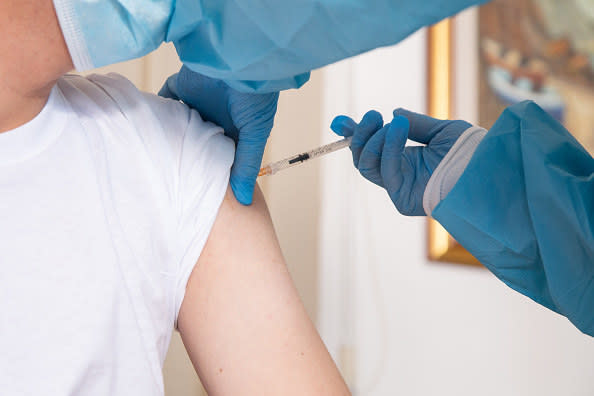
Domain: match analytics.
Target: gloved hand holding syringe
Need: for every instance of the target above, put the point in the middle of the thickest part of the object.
(274, 167)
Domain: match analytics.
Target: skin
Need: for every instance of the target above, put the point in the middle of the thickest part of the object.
(242, 321)
(34, 56)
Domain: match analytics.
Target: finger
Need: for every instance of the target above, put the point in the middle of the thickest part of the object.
(372, 121)
(252, 114)
(371, 155)
(422, 128)
(248, 159)
(343, 126)
(168, 90)
(392, 154)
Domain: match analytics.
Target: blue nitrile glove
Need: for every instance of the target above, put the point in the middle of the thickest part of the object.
(380, 154)
(246, 118)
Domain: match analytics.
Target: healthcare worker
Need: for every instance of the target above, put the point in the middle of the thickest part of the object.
(254, 45)
(520, 198)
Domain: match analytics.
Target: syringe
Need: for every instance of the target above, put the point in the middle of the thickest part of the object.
(271, 169)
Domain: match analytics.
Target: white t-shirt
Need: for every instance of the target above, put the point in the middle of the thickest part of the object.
(107, 198)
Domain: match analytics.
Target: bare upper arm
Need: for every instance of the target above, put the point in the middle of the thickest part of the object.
(242, 321)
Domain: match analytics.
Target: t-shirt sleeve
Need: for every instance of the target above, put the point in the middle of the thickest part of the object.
(191, 161)
(205, 159)
(204, 165)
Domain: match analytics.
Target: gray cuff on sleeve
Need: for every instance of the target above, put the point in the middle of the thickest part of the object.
(451, 168)
(73, 35)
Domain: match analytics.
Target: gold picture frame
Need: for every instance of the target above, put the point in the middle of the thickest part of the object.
(440, 82)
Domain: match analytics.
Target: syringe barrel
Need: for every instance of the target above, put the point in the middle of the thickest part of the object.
(284, 164)
(304, 157)
(330, 148)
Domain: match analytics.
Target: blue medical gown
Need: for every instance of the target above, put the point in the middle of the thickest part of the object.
(524, 207)
(256, 45)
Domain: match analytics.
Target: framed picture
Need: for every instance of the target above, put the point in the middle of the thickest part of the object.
(540, 50)
(501, 54)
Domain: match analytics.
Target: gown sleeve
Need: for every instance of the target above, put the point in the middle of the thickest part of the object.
(255, 45)
(524, 207)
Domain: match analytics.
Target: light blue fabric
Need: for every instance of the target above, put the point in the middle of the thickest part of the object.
(247, 118)
(524, 207)
(380, 154)
(255, 45)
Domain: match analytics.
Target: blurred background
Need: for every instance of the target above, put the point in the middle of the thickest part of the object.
(394, 322)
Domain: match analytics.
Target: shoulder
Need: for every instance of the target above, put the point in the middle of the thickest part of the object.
(98, 93)
(136, 115)
(159, 158)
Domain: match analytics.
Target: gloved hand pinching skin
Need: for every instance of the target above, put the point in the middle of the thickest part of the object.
(381, 156)
(246, 118)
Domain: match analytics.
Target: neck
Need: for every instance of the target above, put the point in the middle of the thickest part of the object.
(34, 56)
(18, 108)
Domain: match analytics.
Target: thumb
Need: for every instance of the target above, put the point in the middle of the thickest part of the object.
(343, 126)
(168, 90)
(248, 159)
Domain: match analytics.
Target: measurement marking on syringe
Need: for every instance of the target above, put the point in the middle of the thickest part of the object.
(274, 167)
(301, 158)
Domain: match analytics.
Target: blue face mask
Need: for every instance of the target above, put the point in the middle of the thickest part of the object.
(257, 45)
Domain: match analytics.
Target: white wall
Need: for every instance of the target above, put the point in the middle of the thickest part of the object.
(399, 325)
